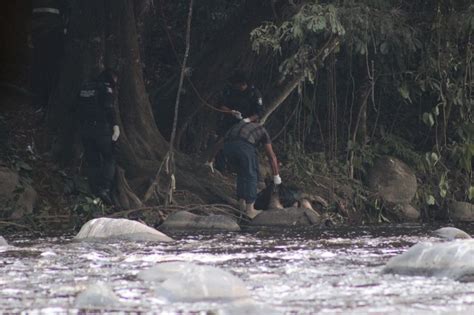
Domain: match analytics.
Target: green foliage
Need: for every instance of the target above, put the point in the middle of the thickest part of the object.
(299, 38)
(86, 208)
(462, 152)
(391, 144)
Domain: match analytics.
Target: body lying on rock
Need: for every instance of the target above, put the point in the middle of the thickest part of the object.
(285, 206)
(452, 259)
(108, 228)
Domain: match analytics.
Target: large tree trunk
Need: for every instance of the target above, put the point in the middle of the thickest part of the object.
(104, 33)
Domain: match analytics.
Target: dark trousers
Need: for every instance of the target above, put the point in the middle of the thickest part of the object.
(99, 152)
(243, 156)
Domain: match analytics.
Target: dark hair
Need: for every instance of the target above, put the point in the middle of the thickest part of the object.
(108, 75)
(238, 77)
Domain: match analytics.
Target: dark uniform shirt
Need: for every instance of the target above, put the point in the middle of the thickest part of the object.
(248, 102)
(252, 133)
(96, 107)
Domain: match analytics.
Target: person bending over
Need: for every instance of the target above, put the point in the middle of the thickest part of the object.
(240, 148)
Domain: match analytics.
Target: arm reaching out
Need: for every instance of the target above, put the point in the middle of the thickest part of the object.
(273, 163)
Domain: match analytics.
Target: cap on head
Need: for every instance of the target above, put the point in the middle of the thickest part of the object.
(238, 78)
(109, 75)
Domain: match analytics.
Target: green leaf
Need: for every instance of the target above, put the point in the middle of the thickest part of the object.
(23, 166)
(430, 200)
(428, 119)
(471, 193)
(404, 92)
(384, 48)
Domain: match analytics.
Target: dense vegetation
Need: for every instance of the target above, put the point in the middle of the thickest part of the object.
(397, 80)
(344, 82)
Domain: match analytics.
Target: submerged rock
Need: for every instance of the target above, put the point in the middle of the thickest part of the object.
(451, 233)
(184, 220)
(189, 282)
(453, 260)
(3, 242)
(103, 228)
(287, 217)
(97, 296)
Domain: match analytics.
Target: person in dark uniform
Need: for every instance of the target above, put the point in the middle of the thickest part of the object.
(99, 131)
(48, 28)
(241, 102)
(240, 148)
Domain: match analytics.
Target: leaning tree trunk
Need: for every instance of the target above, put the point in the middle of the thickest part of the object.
(104, 33)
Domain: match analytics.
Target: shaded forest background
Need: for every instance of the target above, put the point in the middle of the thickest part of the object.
(344, 82)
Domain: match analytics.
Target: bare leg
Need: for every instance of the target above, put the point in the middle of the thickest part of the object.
(242, 205)
(250, 210)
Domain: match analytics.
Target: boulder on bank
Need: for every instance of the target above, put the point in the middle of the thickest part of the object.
(184, 220)
(287, 217)
(462, 211)
(405, 211)
(454, 260)
(451, 233)
(97, 296)
(189, 282)
(104, 228)
(17, 199)
(393, 180)
(3, 242)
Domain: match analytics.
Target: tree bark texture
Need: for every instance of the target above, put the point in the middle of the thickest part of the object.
(104, 34)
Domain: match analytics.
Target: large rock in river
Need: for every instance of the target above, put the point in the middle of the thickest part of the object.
(189, 282)
(287, 217)
(184, 220)
(3, 242)
(17, 199)
(393, 180)
(462, 211)
(454, 260)
(451, 233)
(103, 228)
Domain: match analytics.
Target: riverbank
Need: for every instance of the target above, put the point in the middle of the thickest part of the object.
(62, 202)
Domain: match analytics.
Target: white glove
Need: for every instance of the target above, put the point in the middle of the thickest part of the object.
(237, 114)
(116, 133)
(247, 120)
(277, 179)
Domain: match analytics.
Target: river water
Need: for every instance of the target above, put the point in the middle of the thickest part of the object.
(310, 271)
